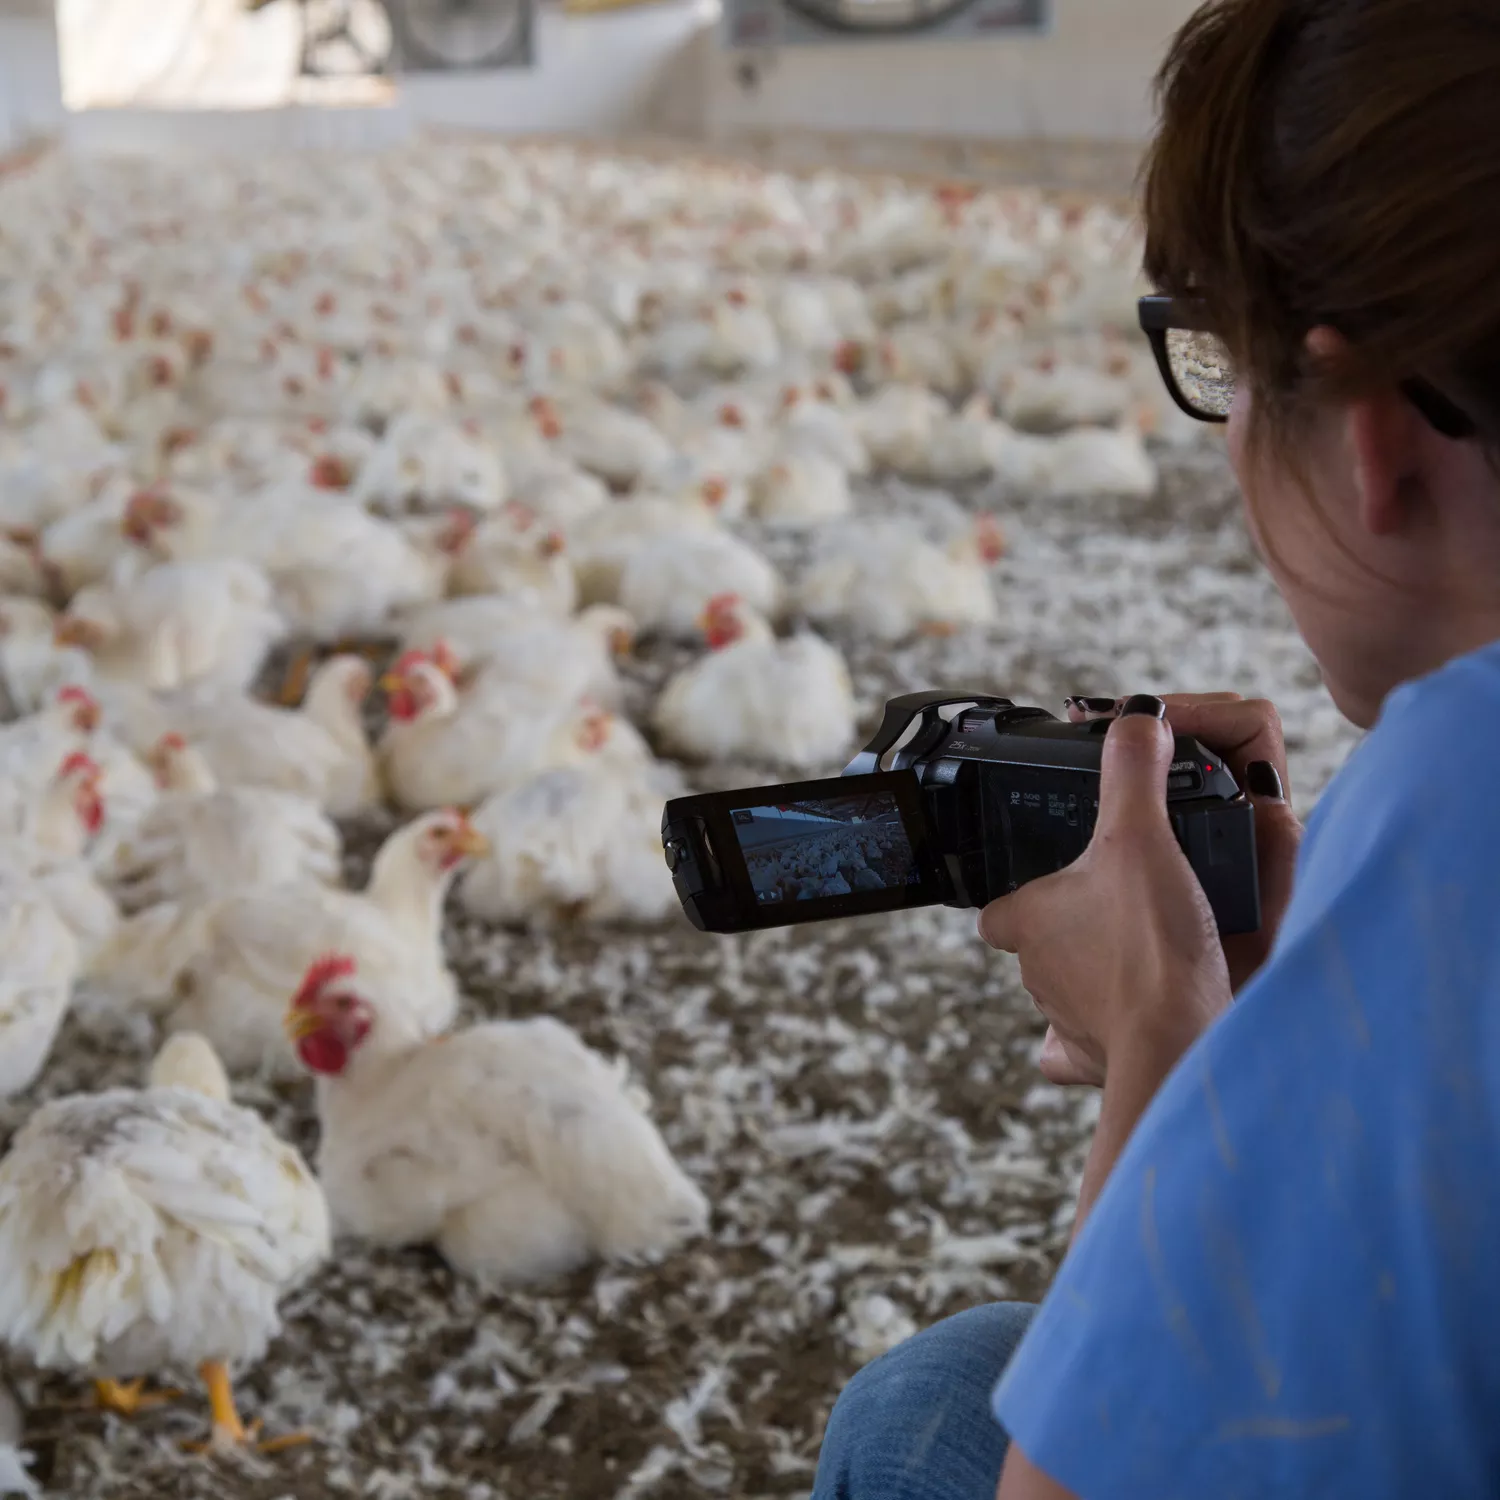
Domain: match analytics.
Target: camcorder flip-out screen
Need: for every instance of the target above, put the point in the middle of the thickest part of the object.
(802, 851)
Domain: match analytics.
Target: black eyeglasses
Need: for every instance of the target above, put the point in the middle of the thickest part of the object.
(1200, 375)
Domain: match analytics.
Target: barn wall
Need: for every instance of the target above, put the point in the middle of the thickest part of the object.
(1089, 80)
(30, 84)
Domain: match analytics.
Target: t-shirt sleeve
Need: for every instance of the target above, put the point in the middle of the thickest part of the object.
(1288, 1285)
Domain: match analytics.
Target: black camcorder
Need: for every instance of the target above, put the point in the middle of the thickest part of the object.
(959, 798)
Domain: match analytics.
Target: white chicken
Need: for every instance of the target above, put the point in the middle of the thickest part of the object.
(1101, 461)
(43, 839)
(581, 842)
(82, 545)
(150, 1229)
(340, 572)
(563, 496)
(890, 582)
(511, 1146)
(668, 581)
(319, 750)
(445, 746)
(512, 555)
(226, 968)
(36, 981)
(211, 620)
(488, 640)
(427, 463)
(810, 423)
(617, 445)
(962, 446)
(22, 568)
(201, 840)
(33, 667)
(1051, 397)
(898, 422)
(601, 544)
(788, 702)
(30, 748)
(337, 570)
(802, 489)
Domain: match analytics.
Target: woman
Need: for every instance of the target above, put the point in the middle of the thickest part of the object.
(1284, 1279)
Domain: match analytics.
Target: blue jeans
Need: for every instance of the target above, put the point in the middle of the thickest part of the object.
(915, 1424)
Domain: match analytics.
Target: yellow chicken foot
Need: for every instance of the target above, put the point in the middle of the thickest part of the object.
(228, 1431)
(294, 684)
(130, 1397)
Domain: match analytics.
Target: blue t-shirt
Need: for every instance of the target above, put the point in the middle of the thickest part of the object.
(1290, 1285)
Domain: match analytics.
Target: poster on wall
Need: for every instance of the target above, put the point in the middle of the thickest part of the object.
(791, 23)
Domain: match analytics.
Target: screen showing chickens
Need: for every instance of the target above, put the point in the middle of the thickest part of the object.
(834, 846)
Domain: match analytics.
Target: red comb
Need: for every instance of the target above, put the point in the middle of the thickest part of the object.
(78, 761)
(171, 741)
(76, 694)
(320, 974)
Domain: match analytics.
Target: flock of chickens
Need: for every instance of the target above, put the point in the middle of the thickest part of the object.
(456, 427)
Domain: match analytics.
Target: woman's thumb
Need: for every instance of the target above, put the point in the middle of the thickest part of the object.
(1133, 779)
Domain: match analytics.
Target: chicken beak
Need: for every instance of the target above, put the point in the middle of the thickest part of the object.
(470, 842)
(72, 633)
(621, 641)
(299, 1023)
(391, 682)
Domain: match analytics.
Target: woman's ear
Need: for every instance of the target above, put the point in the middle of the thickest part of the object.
(1383, 439)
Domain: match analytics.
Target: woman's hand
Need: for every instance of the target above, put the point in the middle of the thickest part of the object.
(1120, 949)
(1246, 734)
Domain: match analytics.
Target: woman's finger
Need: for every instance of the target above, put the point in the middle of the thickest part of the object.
(1241, 731)
(1133, 772)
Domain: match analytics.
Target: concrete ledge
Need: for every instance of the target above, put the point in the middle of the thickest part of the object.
(289, 128)
(1072, 165)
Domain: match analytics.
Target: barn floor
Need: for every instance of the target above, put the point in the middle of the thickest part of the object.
(858, 1099)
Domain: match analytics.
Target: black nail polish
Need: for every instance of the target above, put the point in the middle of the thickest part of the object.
(1099, 705)
(1144, 703)
(1263, 780)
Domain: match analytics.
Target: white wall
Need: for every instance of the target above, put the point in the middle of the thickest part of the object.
(30, 84)
(1088, 79)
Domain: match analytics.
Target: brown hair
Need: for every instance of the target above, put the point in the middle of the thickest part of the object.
(1336, 162)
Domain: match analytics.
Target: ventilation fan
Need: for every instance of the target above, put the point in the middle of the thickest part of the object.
(771, 23)
(445, 36)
